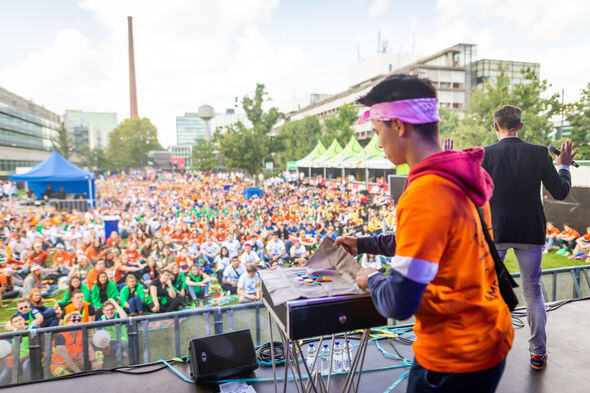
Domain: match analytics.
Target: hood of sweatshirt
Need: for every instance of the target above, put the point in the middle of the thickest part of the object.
(462, 167)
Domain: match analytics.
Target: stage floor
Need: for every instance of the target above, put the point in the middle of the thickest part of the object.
(568, 330)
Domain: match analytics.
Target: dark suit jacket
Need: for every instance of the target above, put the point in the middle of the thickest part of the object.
(517, 169)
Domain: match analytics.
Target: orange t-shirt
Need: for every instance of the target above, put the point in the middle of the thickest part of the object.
(553, 231)
(573, 233)
(62, 258)
(462, 324)
(133, 255)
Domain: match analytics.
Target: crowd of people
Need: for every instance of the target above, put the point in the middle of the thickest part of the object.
(568, 242)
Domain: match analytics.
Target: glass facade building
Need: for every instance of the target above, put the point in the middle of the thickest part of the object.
(26, 130)
(189, 128)
(486, 70)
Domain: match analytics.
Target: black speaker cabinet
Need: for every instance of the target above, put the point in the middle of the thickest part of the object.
(221, 356)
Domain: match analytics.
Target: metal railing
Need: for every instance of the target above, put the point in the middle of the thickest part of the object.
(162, 336)
(136, 331)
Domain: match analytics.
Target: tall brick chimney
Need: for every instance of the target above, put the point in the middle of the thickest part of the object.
(132, 86)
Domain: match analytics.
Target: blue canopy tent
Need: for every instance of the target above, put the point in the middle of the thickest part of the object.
(58, 172)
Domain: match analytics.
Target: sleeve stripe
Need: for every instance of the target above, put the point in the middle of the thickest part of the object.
(415, 269)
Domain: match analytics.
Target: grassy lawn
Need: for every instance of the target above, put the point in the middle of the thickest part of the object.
(550, 261)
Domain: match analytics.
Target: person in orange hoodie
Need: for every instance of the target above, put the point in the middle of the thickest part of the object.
(442, 271)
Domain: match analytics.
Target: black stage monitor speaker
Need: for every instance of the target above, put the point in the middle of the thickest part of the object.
(223, 355)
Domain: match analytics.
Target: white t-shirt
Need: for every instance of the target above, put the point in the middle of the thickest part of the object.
(233, 275)
(249, 257)
(248, 284)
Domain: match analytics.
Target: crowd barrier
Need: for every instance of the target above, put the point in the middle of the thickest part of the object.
(147, 338)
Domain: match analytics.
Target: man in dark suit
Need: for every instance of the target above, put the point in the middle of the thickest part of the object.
(518, 168)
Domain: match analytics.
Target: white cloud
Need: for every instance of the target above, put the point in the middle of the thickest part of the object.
(378, 6)
(187, 53)
(554, 34)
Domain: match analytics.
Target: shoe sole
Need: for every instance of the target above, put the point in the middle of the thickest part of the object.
(537, 367)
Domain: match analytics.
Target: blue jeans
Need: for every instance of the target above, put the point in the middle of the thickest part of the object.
(529, 257)
(422, 380)
(192, 291)
(135, 305)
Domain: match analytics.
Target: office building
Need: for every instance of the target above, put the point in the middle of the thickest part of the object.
(189, 128)
(181, 155)
(225, 119)
(486, 70)
(455, 71)
(26, 130)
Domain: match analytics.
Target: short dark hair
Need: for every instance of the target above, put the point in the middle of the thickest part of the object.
(508, 117)
(77, 291)
(397, 87)
(251, 268)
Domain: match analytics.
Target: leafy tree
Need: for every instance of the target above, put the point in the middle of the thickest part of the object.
(245, 148)
(204, 154)
(93, 159)
(130, 143)
(579, 119)
(63, 143)
(297, 138)
(477, 127)
(339, 127)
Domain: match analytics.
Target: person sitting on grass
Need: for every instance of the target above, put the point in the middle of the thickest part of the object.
(132, 296)
(17, 323)
(582, 246)
(249, 285)
(111, 310)
(178, 280)
(298, 253)
(85, 309)
(32, 317)
(75, 285)
(51, 315)
(551, 234)
(149, 271)
(67, 355)
(103, 290)
(197, 283)
(162, 296)
(231, 275)
(35, 280)
(568, 238)
(7, 288)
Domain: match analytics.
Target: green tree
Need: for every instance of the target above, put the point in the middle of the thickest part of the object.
(245, 148)
(297, 138)
(63, 143)
(579, 119)
(339, 127)
(204, 154)
(130, 143)
(93, 159)
(477, 127)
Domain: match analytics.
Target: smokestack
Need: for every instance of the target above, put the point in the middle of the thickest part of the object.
(132, 86)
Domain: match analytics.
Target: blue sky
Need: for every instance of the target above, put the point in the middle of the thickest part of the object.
(68, 54)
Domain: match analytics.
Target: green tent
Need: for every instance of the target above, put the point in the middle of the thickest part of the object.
(330, 153)
(371, 152)
(351, 149)
(317, 152)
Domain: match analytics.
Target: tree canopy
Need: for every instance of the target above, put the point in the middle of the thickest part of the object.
(477, 126)
(579, 121)
(130, 143)
(204, 155)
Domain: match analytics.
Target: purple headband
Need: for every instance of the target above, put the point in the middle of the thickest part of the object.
(414, 111)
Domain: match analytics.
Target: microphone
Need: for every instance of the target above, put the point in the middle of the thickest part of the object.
(557, 152)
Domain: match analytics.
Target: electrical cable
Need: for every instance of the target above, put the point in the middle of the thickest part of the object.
(264, 355)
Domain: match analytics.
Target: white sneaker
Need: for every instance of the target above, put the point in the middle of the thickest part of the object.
(545, 251)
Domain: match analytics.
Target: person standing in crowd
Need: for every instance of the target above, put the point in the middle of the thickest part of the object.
(518, 169)
(442, 270)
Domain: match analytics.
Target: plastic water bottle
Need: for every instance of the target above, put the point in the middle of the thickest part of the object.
(325, 359)
(310, 357)
(337, 358)
(346, 356)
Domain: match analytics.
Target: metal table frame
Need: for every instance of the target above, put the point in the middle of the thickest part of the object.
(315, 383)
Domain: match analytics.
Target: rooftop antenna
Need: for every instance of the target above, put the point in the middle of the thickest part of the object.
(358, 53)
(379, 41)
